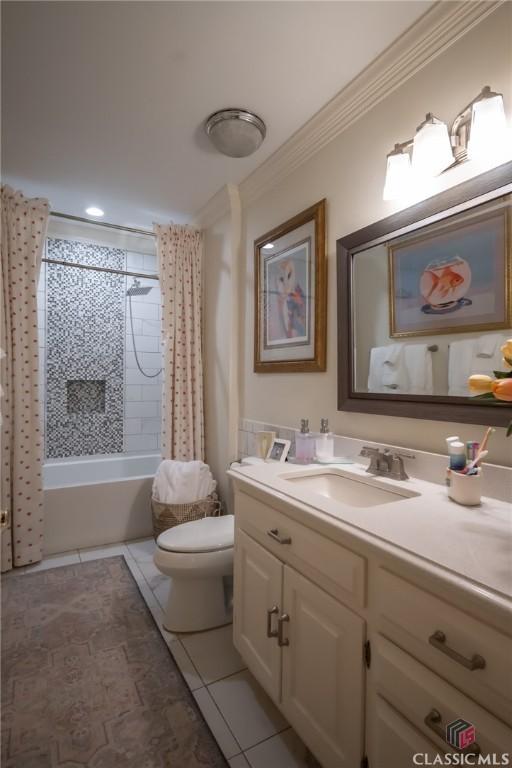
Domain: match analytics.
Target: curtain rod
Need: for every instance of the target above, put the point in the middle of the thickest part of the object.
(111, 270)
(145, 232)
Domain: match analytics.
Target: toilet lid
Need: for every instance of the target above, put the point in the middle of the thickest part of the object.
(209, 534)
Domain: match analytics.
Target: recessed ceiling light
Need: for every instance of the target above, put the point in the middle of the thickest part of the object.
(93, 211)
(268, 246)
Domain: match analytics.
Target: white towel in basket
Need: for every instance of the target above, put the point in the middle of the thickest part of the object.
(181, 482)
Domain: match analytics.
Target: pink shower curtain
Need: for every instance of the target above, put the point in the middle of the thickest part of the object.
(23, 233)
(180, 264)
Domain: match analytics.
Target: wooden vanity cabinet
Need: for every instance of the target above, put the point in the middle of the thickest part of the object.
(306, 611)
(305, 648)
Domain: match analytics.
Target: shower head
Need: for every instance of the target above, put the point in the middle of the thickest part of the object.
(137, 289)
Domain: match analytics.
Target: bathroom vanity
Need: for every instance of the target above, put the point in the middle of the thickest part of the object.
(374, 612)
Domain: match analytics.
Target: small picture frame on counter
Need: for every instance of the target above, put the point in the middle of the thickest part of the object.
(278, 450)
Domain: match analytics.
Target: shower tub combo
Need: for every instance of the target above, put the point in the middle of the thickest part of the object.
(99, 325)
(91, 501)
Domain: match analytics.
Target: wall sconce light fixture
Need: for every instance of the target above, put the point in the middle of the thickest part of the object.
(479, 132)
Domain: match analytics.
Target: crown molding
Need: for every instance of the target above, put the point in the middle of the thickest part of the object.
(216, 207)
(438, 29)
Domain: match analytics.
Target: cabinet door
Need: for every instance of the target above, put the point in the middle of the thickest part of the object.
(323, 674)
(257, 590)
(392, 740)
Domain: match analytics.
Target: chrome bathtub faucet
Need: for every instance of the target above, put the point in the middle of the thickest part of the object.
(386, 463)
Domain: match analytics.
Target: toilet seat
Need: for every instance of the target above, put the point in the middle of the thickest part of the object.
(210, 534)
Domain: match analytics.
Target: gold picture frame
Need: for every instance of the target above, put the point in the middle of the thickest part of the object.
(447, 278)
(290, 295)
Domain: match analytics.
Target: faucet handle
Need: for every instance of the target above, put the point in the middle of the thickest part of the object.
(367, 451)
(396, 468)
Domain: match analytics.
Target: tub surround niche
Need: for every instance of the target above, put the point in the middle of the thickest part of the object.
(370, 630)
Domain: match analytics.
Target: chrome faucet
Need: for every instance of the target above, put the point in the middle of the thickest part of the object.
(386, 463)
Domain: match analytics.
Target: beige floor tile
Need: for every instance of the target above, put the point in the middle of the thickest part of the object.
(187, 669)
(54, 561)
(238, 762)
(213, 653)
(161, 591)
(250, 714)
(142, 549)
(110, 550)
(285, 750)
(216, 723)
(153, 576)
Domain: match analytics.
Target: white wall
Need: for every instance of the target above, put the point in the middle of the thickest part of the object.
(217, 275)
(349, 172)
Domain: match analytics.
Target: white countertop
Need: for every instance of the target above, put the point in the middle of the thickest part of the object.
(474, 543)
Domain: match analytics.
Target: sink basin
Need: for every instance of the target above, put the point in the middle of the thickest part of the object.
(353, 491)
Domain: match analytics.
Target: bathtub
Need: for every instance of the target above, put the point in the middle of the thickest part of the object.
(91, 501)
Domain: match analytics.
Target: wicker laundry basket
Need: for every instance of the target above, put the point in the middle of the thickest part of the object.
(166, 516)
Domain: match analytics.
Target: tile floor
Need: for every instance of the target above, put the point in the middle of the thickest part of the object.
(249, 729)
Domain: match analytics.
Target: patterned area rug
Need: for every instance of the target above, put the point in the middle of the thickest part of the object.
(87, 679)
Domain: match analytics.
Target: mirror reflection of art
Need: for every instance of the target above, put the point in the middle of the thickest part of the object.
(453, 278)
(290, 299)
(444, 285)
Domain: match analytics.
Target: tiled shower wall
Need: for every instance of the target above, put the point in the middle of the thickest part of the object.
(97, 400)
(84, 351)
(143, 395)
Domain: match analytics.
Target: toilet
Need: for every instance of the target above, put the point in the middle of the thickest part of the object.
(198, 558)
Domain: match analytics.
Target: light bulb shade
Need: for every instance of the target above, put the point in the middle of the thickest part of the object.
(235, 132)
(488, 135)
(431, 151)
(398, 176)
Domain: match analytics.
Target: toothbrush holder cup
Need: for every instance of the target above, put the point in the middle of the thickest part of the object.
(465, 489)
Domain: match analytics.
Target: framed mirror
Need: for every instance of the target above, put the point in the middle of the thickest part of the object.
(425, 301)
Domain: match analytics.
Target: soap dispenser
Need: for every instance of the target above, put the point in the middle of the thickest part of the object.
(304, 444)
(324, 442)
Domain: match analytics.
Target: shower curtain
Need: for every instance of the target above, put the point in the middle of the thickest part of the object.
(179, 251)
(23, 233)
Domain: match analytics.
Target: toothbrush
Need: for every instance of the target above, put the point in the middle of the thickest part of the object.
(483, 444)
(474, 463)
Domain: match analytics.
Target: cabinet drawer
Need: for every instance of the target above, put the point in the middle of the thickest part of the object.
(418, 693)
(447, 639)
(392, 740)
(334, 567)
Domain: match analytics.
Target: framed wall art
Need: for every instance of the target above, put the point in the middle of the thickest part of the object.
(453, 278)
(291, 295)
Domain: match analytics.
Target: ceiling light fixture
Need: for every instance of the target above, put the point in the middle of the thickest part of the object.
(268, 246)
(235, 132)
(94, 211)
(479, 132)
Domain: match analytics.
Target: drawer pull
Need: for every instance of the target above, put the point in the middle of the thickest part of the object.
(280, 622)
(271, 632)
(434, 721)
(274, 534)
(438, 640)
